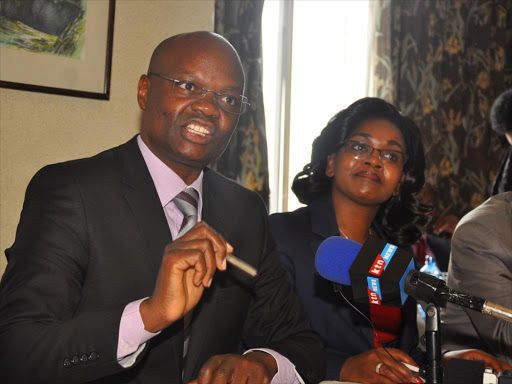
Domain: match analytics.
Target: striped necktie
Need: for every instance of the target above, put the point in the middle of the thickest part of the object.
(186, 202)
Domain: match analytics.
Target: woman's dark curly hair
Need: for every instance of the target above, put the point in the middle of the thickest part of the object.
(401, 216)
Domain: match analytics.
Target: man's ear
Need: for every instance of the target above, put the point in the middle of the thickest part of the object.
(329, 170)
(142, 91)
(399, 185)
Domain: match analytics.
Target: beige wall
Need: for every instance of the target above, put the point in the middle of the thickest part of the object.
(37, 129)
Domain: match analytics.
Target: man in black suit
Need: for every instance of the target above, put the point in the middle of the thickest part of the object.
(102, 274)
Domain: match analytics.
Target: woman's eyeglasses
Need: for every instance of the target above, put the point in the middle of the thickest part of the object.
(361, 150)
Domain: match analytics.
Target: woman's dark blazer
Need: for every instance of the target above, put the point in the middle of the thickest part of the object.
(345, 333)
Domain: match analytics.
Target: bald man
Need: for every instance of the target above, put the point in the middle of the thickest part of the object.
(109, 279)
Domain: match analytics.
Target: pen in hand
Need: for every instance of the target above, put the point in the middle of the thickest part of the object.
(241, 265)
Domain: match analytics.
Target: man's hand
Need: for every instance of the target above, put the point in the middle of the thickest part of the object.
(255, 367)
(188, 266)
(475, 354)
(362, 368)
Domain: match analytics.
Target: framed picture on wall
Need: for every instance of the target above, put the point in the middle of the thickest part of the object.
(57, 46)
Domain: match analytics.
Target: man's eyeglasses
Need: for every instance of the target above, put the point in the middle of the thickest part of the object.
(231, 103)
(361, 150)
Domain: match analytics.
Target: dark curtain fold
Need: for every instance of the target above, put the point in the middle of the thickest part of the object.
(443, 63)
(245, 159)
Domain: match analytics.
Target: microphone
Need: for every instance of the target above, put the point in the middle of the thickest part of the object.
(376, 270)
(432, 290)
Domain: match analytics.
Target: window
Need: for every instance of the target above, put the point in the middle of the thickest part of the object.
(315, 63)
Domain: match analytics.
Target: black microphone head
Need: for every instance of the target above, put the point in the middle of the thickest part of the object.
(426, 288)
(378, 273)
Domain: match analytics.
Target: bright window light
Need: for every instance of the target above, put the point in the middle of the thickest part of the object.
(329, 72)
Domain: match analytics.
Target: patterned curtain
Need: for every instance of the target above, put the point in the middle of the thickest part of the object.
(245, 159)
(443, 63)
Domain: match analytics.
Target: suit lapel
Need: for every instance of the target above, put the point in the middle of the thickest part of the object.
(323, 221)
(142, 198)
(141, 195)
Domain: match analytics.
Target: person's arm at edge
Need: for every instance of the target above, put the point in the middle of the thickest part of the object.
(476, 251)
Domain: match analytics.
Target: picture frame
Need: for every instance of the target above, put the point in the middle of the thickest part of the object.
(87, 75)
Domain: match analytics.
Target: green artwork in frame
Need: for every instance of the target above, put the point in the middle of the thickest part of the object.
(47, 26)
(57, 46)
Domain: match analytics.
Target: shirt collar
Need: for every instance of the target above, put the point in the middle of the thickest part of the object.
(167, 183)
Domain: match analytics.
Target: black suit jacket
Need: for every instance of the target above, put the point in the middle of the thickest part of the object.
(90, 240)
(344, 332)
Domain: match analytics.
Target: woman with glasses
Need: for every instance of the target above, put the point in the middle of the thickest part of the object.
(366, 168)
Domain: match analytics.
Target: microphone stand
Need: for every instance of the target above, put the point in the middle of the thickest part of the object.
(433, 370)
(434, 291)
